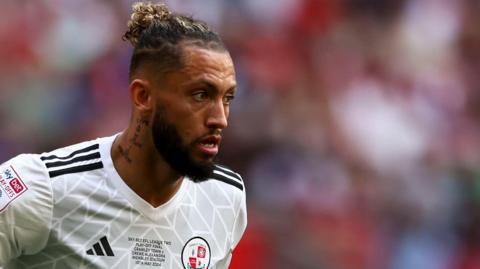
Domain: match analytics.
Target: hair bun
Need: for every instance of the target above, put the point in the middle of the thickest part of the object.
(144, 15)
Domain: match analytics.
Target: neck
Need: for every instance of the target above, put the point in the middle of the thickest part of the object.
(141, 166)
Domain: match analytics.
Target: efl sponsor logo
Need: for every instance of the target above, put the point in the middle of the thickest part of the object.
(11, 186)
(16, 185)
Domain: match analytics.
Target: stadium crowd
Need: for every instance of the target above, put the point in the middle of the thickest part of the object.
(356, 124)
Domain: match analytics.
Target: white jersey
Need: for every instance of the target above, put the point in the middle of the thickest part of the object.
(70, 209)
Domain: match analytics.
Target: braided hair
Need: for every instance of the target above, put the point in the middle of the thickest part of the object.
(158, 36)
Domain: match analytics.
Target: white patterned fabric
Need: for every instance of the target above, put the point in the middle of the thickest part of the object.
(76, 212)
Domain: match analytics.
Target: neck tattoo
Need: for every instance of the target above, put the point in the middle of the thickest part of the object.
(125, 152)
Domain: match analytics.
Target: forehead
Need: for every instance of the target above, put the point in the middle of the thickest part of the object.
(200, 63)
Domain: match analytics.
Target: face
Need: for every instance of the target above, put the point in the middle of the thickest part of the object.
(191, 110)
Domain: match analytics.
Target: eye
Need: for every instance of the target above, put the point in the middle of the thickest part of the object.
(228, 99)
(200, 95)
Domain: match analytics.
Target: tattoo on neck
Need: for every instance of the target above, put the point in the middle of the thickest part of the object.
(125, 152)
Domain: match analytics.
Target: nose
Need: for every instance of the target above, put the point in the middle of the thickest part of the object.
(217, 117)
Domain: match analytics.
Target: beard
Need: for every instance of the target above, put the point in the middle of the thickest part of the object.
(177, 154)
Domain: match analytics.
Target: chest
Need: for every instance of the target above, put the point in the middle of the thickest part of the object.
(96, 226)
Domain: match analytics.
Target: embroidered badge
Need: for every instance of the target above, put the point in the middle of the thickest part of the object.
(11, 186)
(196, 254)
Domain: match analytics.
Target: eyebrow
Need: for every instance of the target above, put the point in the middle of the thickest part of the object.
(211, 86)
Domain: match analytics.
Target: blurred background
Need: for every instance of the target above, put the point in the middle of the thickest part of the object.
(356, 124)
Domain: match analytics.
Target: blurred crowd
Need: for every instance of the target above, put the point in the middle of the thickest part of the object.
(355, 127)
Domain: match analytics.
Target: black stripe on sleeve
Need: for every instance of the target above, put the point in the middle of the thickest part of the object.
(87, 149)
(227, 180)
(92, 156)
(76, 169)
(227, 171)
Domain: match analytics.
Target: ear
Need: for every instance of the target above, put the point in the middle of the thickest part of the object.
(141, 93)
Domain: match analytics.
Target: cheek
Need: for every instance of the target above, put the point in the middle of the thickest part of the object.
(188, 128)
(188, 120)
(227, 111)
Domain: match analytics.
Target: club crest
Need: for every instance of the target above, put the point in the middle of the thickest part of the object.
(196, 254)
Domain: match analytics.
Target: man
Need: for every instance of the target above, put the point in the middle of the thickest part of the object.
(151, 196)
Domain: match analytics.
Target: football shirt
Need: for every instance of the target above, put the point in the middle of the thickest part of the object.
(69, 208)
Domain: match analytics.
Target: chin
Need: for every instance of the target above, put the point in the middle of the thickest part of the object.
(200, 169)
(205, 164)
(203, 158)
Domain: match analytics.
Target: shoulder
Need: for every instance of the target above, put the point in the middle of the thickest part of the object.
(25, 205)
(22, 169)
(27, 178)
(233, 187)
(24, 180)
(77, 158)
(228, 177)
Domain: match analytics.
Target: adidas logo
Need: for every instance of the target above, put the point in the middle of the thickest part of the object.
(99, 251)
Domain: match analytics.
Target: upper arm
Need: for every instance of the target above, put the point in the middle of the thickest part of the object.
(240, 223)
(25, 207)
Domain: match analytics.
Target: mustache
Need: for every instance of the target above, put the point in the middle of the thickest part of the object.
(214, 135)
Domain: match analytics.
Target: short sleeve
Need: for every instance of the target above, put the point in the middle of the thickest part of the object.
(25, 207)
(240, 222)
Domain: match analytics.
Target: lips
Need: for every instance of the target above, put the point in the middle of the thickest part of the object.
(209, 145)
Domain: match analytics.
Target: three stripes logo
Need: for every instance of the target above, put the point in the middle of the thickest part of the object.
(226, 175)
(101, 248)
(81, 160)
